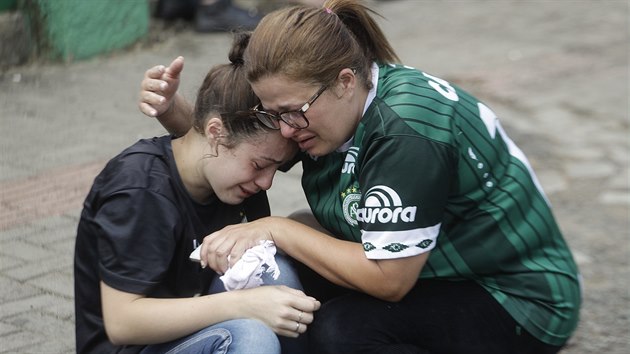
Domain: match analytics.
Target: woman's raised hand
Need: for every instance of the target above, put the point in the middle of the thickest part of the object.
(158, 88)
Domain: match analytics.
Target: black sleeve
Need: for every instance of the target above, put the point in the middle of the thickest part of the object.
(138, 234)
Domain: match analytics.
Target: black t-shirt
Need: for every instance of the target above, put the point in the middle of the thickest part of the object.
(138, 227)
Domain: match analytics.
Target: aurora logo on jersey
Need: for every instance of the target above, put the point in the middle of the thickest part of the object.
(350, 160)
(383, 205)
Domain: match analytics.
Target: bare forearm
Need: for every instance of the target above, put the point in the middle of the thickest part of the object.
(344, 263)
(323, 253)
(151, 320)
(178, 118)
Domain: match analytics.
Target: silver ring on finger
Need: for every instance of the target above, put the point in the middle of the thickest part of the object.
(297, 326)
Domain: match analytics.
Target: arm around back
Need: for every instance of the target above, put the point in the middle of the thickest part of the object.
(158, 97)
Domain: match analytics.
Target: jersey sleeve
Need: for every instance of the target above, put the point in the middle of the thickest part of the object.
(136, 240)
(405, 182)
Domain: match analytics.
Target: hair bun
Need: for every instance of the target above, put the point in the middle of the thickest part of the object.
(241, 39)
(237, 61)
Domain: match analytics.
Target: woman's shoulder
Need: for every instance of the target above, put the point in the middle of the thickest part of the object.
(143, 165)
(401, 85)
(409, 100)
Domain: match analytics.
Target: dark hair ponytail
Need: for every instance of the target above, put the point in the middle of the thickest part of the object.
(366, 31)
(241, 39)
(225, 90)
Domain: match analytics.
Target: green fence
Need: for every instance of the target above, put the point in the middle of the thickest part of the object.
(78, 29)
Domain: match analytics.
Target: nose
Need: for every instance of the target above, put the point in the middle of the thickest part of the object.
(265, 180)
(286, 130)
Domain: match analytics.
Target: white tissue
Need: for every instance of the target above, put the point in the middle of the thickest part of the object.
(248, 271)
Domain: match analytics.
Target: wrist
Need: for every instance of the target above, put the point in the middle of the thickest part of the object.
(167, 112)
(272, 224)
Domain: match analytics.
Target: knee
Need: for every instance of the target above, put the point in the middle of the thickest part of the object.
(329, 332)
(249, 334)
(288, 273)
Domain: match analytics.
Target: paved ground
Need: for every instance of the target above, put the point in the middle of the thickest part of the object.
(556, 72)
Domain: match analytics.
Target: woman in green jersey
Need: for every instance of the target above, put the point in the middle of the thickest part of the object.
(426, 217)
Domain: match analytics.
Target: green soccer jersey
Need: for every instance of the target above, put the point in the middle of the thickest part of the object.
(430, 168)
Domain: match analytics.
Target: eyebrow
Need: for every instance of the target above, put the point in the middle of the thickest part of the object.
(285, 108)
(272, 160)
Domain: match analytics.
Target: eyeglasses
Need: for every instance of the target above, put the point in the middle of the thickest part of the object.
(295, 119)
(266, 120)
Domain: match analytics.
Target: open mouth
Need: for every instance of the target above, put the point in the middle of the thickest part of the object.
(306, 143)
(247, 192)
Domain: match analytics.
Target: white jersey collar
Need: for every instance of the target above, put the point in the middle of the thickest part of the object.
(368, 102)
(372, 93)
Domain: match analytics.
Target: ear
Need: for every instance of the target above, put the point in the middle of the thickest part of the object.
(214, 129)
(346, 82)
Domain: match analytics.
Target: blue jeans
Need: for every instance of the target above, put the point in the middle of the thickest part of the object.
(233, 337)
(289, 277)
(241, 335)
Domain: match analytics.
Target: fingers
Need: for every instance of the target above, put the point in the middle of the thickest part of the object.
(175, 68)
(302, 311)
(290, 328)
(219, 253)
(147, 109)
(304, 317)
(287, 311)
(151, 103)
(218, 261)
(298, 328)
(152, 98)
(218, 257)
(157, 78)
(153, 92)
(307, 316)
(222, 249)
(291, 332)
(297, 323)
(154, 85)
(303, 302)
(237, 252)
(155, 72)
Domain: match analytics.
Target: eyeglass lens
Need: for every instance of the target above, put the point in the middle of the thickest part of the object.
(267, 119)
